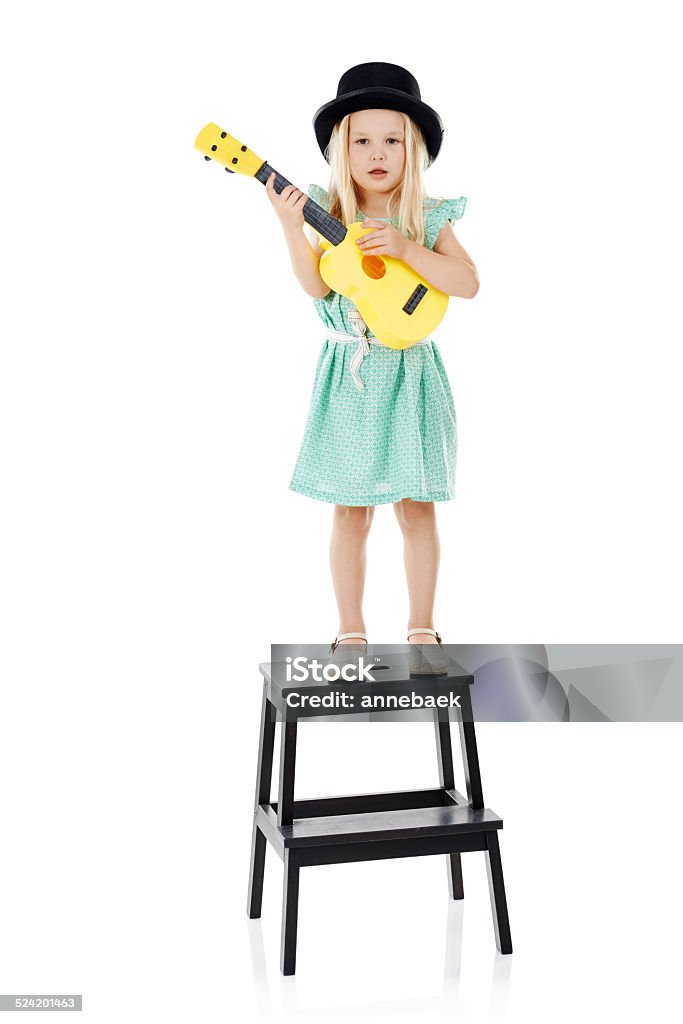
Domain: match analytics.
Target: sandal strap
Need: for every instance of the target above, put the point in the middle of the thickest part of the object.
(423, 629)
(347, 636)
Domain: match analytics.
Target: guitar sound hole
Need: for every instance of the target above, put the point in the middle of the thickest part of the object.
(373, 266)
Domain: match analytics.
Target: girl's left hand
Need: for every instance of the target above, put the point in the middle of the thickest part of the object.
(384, 240)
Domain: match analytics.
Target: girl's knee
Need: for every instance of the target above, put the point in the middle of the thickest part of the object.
(354, 518)
(415, 515)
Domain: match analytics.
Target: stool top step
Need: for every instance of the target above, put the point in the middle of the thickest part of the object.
(305, 671)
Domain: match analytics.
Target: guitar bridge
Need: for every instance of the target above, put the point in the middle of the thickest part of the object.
(415, 299)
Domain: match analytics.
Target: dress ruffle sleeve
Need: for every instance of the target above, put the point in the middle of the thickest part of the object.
(319, 196)
(437, 215)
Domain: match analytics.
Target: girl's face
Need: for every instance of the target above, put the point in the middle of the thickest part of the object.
(376, 143)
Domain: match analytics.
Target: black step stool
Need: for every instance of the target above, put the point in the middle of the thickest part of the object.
(372, 826)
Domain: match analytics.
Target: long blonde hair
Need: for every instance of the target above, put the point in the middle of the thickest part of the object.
(407, 199)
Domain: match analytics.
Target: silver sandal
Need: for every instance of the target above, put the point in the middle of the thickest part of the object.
(347, 654)
(427, 659)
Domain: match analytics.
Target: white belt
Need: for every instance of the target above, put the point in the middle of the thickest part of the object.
(364, 343)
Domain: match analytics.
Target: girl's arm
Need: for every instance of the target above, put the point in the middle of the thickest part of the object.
(448, 267)
(305, 261)
(289, 205)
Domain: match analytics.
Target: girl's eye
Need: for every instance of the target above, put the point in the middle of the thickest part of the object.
(388, 140)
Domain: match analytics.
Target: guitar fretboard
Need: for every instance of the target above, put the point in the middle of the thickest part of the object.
(329, 227)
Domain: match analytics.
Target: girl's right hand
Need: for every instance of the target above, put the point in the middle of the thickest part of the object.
(288, 204)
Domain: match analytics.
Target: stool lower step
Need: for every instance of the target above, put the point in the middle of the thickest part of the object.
(373, 826)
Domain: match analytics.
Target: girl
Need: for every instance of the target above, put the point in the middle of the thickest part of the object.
(381, 425)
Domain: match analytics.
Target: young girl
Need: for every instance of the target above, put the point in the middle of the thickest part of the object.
(381, 424)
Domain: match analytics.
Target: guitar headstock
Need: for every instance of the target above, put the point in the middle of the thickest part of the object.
(216, 144)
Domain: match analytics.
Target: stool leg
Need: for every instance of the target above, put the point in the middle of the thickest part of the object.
(290, 912)
(256, 872)
(444, 753)
(285, 798)
(494, 870)
(470, 757)
(456, 888)
(264, 773)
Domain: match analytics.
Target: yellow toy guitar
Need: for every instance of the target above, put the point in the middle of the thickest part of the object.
(396, 304)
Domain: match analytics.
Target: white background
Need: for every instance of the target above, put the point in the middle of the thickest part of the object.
(157, 362)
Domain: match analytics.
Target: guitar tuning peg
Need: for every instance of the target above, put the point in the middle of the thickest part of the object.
(207, 157)
(228, 170)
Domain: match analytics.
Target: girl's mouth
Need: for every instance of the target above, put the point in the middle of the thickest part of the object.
(378, 173)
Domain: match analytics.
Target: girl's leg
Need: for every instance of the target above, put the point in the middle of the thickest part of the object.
(350, 528)
(417, 520)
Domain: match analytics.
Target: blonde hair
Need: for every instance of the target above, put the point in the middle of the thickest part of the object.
(408, 198)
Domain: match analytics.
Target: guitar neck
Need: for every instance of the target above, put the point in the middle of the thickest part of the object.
(329, 227)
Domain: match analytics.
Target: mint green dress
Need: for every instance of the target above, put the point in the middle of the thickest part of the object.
(394, 435)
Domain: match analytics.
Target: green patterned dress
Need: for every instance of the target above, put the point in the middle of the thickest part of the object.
(384, 428)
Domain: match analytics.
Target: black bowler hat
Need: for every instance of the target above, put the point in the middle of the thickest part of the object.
(379, 86)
